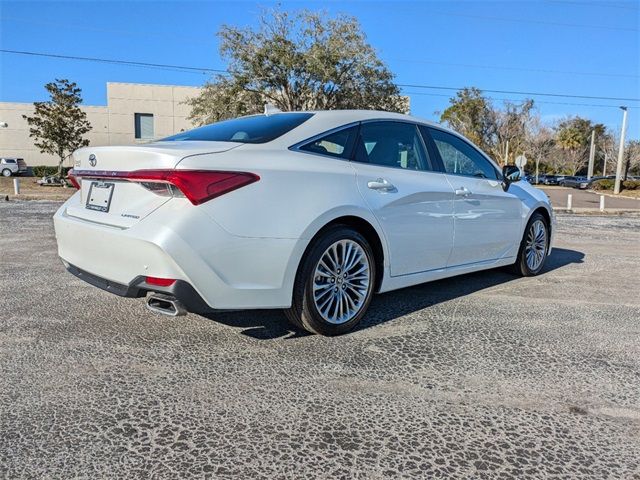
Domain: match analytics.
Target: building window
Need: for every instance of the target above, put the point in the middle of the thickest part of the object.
(144, 125)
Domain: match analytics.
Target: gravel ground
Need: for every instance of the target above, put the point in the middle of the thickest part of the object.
(482, 376)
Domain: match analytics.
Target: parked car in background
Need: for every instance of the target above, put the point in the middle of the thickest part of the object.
(549, 179)
(311, 212)
(12, 166)
(569, 181)
(574, 182)
(533, 180)
(539, 180)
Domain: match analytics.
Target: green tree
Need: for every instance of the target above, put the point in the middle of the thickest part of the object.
(472, 115)
(58, 125)
(297, 61)
(573, 136)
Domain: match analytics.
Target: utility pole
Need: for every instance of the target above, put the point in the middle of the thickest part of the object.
(616, 189)
(592, 154)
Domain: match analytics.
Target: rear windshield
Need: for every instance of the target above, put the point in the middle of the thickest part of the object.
(253, 129)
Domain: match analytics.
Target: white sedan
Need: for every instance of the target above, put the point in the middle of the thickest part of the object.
(311, 212)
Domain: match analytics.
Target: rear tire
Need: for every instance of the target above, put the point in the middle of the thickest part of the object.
(533, 247)
(334, 283)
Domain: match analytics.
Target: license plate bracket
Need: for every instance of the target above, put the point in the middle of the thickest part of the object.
(99, 196)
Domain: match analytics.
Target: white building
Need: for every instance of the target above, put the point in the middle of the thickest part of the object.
(134, 113)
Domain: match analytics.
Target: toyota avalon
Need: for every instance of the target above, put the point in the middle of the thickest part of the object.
(310, 212)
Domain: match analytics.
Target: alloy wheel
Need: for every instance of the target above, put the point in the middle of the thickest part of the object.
(536, 246)
(341, 281)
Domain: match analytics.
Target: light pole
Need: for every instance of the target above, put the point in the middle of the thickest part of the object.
(616, 189)
(592, 154)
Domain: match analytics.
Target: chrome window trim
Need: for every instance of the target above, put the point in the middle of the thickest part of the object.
(296, 146)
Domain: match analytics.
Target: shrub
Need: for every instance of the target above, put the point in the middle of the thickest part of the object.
(44, 170)
(604, 184)
(608, 184)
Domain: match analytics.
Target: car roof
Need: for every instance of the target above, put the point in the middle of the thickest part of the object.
(325, 120)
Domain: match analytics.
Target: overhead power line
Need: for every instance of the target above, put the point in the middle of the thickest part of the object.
(118, 62)
(521, 69)
(519, 100)
(512, 92)
(214, 70)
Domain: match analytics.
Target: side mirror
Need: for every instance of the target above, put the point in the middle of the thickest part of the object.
(510, 174)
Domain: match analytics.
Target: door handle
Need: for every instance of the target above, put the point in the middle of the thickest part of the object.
(381, 184)
(463, 192)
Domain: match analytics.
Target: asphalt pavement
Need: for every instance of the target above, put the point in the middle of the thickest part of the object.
(481, 376)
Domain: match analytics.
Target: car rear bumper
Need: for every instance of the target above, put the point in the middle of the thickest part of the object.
(181, 290)
(179, 241)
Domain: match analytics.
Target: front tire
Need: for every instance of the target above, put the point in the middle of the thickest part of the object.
(534, 247)
(6, 172)
(334, 283)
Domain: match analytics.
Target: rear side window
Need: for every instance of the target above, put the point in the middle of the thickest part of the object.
(337, 144)
(253, 129)
(392, 144)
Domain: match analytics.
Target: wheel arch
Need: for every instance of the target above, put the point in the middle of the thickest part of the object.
(361, 222)
(541, 209)
(368, 231)
(546, 212)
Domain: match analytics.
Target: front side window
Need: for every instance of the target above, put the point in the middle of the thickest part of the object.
(391, 144)
(252, 129)
(460, 158)
(143, 123)
(337, 144)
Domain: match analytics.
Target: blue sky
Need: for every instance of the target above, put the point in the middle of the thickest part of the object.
(573, 47)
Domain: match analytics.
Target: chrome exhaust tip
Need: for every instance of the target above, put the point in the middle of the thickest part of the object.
(165, 305)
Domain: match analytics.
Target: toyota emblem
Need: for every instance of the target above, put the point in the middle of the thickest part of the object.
(92, 160)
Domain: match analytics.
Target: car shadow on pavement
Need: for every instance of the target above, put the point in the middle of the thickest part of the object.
(272, 324)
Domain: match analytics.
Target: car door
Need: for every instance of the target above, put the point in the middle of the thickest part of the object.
(412, 202)
(487, 220)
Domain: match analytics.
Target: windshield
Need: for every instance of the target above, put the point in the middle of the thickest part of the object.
(253, 129)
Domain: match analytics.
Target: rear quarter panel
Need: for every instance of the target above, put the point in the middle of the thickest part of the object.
(297, 193)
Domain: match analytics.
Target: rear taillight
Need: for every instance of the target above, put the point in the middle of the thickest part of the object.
(198, 186)
(71, 177)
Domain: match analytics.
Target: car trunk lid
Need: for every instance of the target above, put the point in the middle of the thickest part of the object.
(111, 195)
